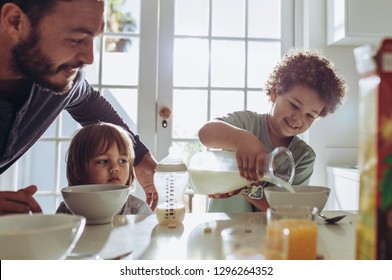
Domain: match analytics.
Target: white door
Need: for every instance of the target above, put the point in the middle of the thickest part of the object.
(212, 57)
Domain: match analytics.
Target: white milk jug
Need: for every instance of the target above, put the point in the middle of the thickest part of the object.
(216, 171)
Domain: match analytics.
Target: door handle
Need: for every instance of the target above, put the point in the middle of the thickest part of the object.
(164, 113)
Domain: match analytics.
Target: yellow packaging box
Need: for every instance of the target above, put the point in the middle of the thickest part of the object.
(374, 224)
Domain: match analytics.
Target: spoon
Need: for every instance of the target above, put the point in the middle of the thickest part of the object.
(331, 220)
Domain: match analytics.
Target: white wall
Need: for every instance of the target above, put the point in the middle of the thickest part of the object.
(341, 128)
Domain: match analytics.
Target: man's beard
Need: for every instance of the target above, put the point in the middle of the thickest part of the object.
(33, 64)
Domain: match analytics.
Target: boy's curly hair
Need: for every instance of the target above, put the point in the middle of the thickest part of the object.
(310, 69)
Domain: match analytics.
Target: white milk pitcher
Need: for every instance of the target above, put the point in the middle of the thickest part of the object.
(216, 171)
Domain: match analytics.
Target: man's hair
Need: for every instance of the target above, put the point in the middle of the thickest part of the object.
(91, 141)
(308, 68)
(34, 9)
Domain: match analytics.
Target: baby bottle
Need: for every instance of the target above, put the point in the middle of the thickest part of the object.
(171, 179)
(216, 171)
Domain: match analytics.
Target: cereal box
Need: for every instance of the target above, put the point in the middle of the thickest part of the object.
(374, 224)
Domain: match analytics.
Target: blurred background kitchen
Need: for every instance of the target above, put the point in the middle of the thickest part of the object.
(205, 58)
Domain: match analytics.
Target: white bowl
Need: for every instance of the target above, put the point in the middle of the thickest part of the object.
(39, 236)
(315, 196)
(98, 203)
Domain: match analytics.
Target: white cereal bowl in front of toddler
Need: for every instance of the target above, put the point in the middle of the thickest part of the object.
(98, 203)
(316, 196)
(39, 236)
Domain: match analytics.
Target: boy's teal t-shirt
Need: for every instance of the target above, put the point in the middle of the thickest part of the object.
(303, 154)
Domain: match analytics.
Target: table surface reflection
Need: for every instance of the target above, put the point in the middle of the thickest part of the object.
(146, 239)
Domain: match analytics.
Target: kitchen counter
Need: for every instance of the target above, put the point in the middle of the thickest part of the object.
(344, 184)
(348, 172)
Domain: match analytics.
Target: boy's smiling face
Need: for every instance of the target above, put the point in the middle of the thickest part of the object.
(294, 111)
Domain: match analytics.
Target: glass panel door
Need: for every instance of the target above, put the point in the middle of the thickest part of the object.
(223, 51)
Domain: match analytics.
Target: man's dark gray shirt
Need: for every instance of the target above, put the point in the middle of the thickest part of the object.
(19, 130)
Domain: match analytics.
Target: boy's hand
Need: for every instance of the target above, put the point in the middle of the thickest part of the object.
(250, 154)
(224, 195)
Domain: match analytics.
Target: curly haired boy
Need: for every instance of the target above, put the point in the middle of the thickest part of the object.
(302, 87)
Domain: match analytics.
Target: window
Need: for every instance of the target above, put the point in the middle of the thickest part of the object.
(201, 58)
(223, 52)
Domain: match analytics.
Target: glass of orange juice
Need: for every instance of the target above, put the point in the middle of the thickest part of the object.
(247, 242)
(295, 229)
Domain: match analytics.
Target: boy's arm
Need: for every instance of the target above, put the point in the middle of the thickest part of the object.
(250, 152)
(221, 135)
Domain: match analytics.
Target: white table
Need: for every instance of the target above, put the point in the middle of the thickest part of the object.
(147, 240)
